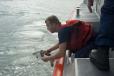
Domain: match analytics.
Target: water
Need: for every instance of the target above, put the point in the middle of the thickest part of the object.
(23, 31)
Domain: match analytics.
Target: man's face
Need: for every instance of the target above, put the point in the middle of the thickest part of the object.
(51, 27)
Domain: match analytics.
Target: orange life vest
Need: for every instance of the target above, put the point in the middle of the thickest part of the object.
(80, 34)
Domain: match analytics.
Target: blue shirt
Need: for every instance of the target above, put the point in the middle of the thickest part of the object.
(64, 34)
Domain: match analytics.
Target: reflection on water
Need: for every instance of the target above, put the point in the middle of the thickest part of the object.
(23, 31)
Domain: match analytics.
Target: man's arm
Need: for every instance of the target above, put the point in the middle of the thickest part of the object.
(60, 53)
(56, 46)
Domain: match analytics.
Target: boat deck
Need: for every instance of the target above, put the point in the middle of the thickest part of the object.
(83, 67)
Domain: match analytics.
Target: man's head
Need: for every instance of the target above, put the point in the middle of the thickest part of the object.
(52, 23)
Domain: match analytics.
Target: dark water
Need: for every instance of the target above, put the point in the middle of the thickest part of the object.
(23, 31)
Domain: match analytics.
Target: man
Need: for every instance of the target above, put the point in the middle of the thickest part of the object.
(75, 36)
(105, 39)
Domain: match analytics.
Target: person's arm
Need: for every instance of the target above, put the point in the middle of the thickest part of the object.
(60, 53)
(63, 36)
(56, 46)
(90, 4)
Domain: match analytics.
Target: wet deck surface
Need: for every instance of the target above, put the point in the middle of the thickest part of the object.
(86, 16)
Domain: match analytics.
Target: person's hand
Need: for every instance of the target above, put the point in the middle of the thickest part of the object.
(47, 52)
(45, 58)
(90, 4)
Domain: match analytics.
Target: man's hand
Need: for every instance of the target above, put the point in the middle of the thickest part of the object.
(47, 53)
(45, 58)
(90, 4)
(42, 52)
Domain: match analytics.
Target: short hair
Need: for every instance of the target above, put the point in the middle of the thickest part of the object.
(53, 19)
